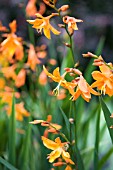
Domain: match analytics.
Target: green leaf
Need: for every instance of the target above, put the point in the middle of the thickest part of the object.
(7, 164)
(79, 161)
(100, 46)
(66, 120)
(97, 137)
(12, 134)
(105, 158)
(107, 114)
(26, 146)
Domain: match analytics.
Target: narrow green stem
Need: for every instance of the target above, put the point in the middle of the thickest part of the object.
(71, 48)
(70, 37)
(31, 34)
(60, 133)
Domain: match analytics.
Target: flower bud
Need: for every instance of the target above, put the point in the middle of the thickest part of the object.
(71, 120)
(67, 45)
(61, 25)
(76, 71)
(89, 54)
(63, 8)
(68, 69)
(58, 163)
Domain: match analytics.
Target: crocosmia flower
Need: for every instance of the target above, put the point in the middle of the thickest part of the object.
(104, 80)
(58, 148)
(43, 23)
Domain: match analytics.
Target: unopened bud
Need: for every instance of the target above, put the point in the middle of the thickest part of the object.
(111, 127)
(67, 45)
(77, 64)
(61, 25)
(59, 163)
(63, 8)
(76, 71)
(111, 115)
(68, 69)
(89, 54)
(71, 120)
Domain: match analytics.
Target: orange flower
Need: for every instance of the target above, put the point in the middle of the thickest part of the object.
(20, 79)
(104, 80)
(6, 95)
(42, 78)
(9, 72)
(20, 111)
(52, 61)
(2, 28)
(31, 9)
(12, 42)
(32, 58)
(41, 51)
(51, 127)
(3, 59)
(60, 79)
(71, 21)
(2, 83)
(83, 89)
(58, 148)
(43, 23)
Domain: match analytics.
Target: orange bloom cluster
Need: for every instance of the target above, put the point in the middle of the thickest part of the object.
(104, 80)
(59, 149)
(11, 54)
(50, 127)
(6, 98)
(12, 43)
(71, 22)
(42, 23)
(104, 77)
(78, 83)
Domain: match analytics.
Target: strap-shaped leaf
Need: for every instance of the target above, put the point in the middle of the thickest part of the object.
(107, 114)
(12, 134)
(7, 164)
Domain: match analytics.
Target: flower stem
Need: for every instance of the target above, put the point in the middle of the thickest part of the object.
(70, 36)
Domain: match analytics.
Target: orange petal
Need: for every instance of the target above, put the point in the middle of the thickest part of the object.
(97, 75)
(56, 72)
(105, 69)
(76, 94)
(56, 32)
(68, 167)
(47, 32)
(54, 155)
(49, 143)
(82, 84)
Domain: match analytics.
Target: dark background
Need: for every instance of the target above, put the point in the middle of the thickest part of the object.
(97, 16)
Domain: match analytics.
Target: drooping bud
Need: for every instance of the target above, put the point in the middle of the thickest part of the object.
(63, 8)
(76, 71)
(61, 25)
(71, 120)
(68, 69)
(67, 45)
(89, 54)
(59, 163)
